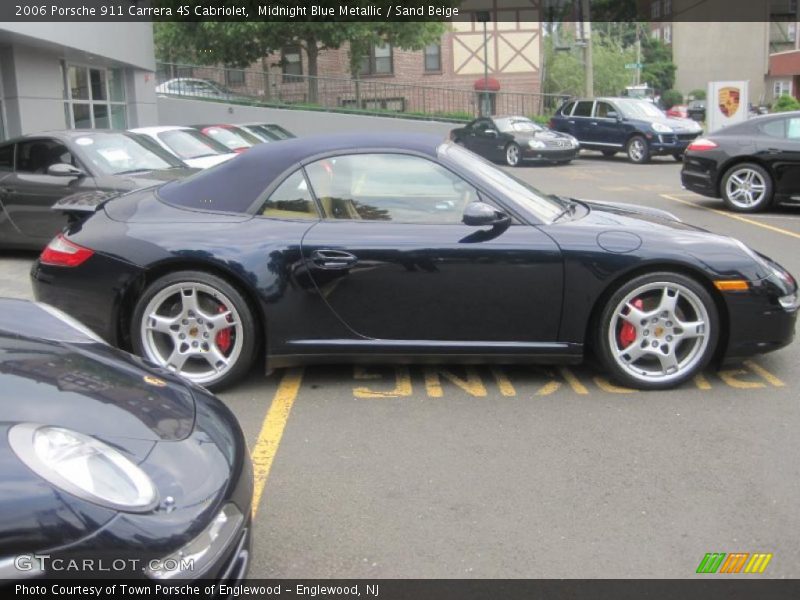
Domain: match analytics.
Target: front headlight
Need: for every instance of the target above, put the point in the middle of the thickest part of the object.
(536, 144)
(83, 466)
(661, 128)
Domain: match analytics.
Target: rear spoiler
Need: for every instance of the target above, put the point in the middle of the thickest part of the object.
(79, 206)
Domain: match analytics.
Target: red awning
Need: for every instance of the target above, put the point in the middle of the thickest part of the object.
(489, 84)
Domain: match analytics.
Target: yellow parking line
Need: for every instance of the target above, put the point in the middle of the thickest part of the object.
(759, 370)
(272, 430)
(733, 216)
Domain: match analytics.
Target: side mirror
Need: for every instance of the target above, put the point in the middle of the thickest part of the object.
(612, 114)
(490, 133)
(480, 214)
(64, 170)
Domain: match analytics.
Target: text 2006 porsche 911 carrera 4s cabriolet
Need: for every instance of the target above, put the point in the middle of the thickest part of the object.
(397, 248)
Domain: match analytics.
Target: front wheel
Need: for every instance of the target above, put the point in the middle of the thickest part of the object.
(747, 188)
(638, 150)
(196, 325)
(657, 330)
(512, 155)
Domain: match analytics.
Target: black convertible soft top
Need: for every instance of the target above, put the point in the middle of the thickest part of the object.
(234, 185)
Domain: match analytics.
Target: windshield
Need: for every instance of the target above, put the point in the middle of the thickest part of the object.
(519, 125)
(190, 143)
(545, 207)
(228, 138)
(278, 131)
(119, 153)
(639, 109)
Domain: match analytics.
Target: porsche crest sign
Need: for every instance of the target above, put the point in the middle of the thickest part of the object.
(727, 104)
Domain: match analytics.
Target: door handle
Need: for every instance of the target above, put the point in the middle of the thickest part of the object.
(333, 259)
(572, 122)
(594, 123)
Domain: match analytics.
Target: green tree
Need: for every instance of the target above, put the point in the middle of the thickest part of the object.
(697, 94)
(659, 70)
(671, 98)
(786, 103)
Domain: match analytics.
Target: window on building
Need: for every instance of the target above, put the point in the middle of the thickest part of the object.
(667, 8)
(655, 9)
(94, 98)
(433, 58)
(378, 61)
(234, 77)
(667, 34)
(791, 31)
(291, 64)
(781, 87)
(656, 33)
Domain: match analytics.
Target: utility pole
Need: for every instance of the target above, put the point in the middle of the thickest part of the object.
(586, 34)
(638, 55)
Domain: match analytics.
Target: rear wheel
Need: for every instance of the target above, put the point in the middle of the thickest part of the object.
(747, 188)
(197, 325)
(638, 150)
(657, 330)
(678, 156)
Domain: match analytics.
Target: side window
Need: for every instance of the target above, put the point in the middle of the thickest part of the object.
(776, 128)
(567, 110)
(602, 109)
(483, 125)
(793, 129)
(291, 200)
(389, 187)
(7, 158)
(35, 156)
(583, 109)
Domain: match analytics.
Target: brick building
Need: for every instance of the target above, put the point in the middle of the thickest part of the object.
(444, 78)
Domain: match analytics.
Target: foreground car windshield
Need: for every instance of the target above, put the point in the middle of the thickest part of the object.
(638, 109)
(188, 143)
(520, 125)
(117, 153)
(545, 207)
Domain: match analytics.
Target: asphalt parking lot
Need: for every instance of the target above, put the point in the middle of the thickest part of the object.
(527, 472)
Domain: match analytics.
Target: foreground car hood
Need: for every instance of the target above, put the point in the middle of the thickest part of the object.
(91, 388)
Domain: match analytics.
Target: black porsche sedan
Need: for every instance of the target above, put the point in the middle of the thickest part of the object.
(751, 165)
(514, 140)
(106, 459)
(392, 247)
(37, 170)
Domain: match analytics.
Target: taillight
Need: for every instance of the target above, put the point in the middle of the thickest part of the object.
(60, 252)
(702, 144)
(552, 123)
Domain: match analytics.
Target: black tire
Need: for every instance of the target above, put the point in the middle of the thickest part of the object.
(752, 199)
(678, 156)
(609, 153)
(214, 296)
(512, 150)
(638, 150)
(657, 341)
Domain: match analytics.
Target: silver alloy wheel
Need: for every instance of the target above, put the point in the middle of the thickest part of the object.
(637, 150)
(512, 155)
(670, 328)
(745, 188)
(182, 327)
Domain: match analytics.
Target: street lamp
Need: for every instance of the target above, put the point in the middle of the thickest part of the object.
(484, 16)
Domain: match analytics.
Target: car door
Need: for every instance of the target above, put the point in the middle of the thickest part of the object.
(581, 119)
(393, 260)
(487, 140)
(29, 191)
(779, 147)
(604, 130)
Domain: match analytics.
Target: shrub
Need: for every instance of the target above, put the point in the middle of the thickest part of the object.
(670, 98)
(697, 94)
(785, 103)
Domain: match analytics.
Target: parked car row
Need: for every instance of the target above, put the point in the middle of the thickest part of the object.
(37, 170)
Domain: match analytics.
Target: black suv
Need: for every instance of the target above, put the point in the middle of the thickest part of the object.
(635, 126)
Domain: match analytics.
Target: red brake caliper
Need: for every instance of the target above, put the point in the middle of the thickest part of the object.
(627, 333)
(223, 338)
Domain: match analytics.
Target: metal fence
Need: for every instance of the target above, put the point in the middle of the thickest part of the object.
(335, 93)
